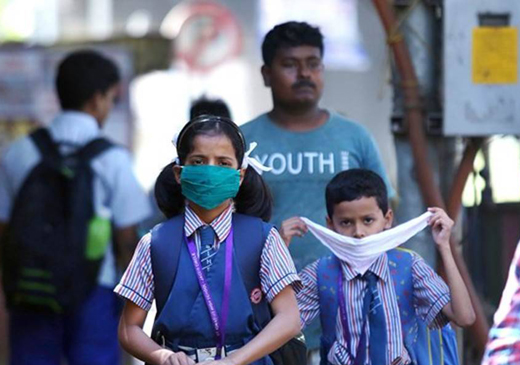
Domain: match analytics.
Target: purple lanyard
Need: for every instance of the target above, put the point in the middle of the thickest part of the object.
(219, 324)
(343, 317)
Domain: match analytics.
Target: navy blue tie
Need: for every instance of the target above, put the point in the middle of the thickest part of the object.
(207, 247)
(373, 313)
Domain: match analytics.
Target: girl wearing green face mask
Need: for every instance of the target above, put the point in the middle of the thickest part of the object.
(214, 268)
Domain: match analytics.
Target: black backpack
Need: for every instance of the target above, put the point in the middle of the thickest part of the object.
(53, 248)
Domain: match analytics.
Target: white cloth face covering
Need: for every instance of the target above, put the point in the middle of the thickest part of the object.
(360, 253)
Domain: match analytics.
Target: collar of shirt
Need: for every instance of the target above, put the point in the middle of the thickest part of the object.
(74, 128)
(221, 225)
(378, 267)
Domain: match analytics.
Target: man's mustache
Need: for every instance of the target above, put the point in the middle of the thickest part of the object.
(303, 83)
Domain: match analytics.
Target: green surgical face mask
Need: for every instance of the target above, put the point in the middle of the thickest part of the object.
(209, 186)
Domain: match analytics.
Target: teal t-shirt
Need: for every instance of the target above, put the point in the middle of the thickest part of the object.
(302, 164)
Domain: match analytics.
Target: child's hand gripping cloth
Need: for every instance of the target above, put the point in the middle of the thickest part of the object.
(360, 253)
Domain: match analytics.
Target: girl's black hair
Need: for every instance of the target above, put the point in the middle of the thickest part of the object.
(253, 198)
(167, 192)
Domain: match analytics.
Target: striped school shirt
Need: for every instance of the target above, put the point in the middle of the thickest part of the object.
(277, 269)
(430, 295)
(503, 347)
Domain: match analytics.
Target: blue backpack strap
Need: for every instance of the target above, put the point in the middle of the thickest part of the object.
(400, 266)
(250, 235)
(167, 240)
(328, 270)
(426, 346)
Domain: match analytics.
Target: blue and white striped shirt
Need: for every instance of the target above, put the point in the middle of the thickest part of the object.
(430, 295)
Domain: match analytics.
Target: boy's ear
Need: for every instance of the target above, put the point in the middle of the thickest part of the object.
(329, 223)
(177, 173)
(389, 217)
(266, 75)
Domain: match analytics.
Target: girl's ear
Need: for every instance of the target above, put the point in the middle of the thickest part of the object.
(389, 218)
(177, 173)
(242, 174)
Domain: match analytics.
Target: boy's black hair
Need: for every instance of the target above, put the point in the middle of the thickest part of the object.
(82, 74)
(290, 34)
(354, 184)
(207, 106)
(253, 198)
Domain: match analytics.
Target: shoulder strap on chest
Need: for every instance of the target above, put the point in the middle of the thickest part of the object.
(94, 148)
(400, 265)
(250, 235)
(167, 239)
(329, 268)
(48, 148)
(400, 262)
(45, 144)
(426, 346)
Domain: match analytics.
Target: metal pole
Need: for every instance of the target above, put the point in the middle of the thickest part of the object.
(414, 117)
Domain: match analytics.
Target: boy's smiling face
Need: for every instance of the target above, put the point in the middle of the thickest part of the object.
(359, 218)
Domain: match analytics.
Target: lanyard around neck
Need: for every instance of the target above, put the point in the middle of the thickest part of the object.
(219, 324)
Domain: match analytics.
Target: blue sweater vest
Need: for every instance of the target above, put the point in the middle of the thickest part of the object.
(183, 318)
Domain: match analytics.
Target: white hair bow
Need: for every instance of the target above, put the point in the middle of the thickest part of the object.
(253, 162)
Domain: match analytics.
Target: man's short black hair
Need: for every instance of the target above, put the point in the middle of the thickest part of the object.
(290, 34)
(82, 74)
(205, 106)
(354, 184)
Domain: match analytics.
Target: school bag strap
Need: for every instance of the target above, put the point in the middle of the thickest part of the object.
(165, 248)
(250, 236)
(425, 346)
(329, 268)
(45, 144)
(400, 266)
(94, 148)
(48, 148)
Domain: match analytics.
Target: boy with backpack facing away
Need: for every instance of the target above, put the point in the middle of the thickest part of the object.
(62, 189)
(363, 316)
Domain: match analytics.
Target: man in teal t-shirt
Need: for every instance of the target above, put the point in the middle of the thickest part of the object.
(304, 144)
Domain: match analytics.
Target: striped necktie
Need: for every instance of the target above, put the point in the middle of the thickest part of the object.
(207, 247)
(373, 313)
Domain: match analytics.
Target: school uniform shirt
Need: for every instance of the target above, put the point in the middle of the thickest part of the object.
(430, 295)
(276, 266)
(503, 345)
(117, 194)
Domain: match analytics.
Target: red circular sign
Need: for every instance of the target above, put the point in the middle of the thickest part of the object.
(208, 34)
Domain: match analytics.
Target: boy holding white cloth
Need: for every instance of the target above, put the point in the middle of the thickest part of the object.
(369, 327)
